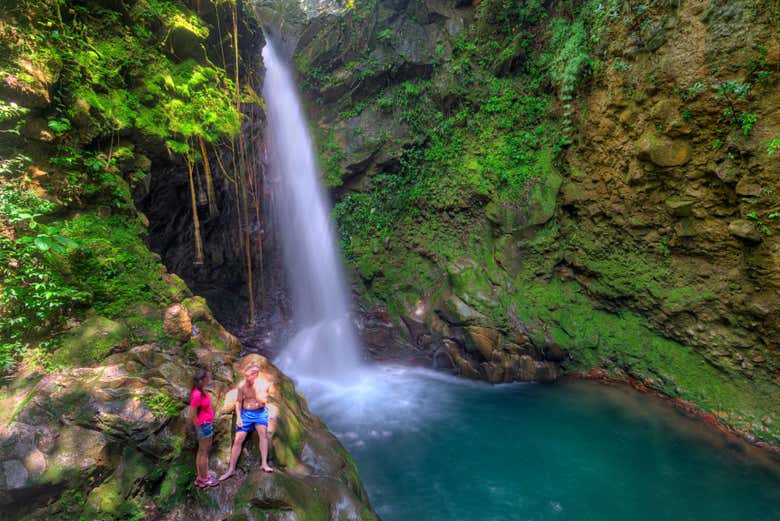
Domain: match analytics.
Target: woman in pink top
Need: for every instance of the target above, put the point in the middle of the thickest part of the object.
(201, 417)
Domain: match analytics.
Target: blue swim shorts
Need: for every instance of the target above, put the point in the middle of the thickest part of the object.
(251, 418)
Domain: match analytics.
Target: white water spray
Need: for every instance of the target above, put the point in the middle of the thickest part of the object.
(325, 345)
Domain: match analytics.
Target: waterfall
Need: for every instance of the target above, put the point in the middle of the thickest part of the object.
(325, 345)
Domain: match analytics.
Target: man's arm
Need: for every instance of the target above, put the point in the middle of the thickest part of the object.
(239, 403)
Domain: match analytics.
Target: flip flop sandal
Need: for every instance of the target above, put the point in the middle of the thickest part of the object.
(200, 483)
(211, 482)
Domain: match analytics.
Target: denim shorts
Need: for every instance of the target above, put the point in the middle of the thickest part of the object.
(205, 431)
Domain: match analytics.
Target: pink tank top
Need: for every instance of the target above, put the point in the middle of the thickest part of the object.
(201, 402)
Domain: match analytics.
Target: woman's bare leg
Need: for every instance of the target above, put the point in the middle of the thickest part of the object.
(202, 459)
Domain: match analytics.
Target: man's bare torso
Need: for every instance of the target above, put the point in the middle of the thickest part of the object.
(253, 396)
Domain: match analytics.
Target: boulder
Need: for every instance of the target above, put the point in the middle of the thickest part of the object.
(458, 312)
(91, 342)
(177, 324)
(32, 90)
(749, 188)
(465, 366)
(482, 340)
(112, 435)
(679, 207)
(663, 151)
(667, 116)
(745, 230)
(494, 372)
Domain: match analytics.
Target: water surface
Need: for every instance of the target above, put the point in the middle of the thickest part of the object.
(433, 448)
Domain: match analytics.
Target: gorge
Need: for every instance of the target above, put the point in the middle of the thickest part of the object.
(523, 191)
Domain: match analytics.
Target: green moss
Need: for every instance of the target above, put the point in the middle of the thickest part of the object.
(624, 273)
(145, 324)
(211, 336)
(114, 264)
(177, 484)
(163, 405)
(625, 342)
(91, 342)
(30, 384)
(330, 160)
(114, 498)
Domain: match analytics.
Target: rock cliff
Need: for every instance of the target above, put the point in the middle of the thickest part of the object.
(526, 189)
(107, 108)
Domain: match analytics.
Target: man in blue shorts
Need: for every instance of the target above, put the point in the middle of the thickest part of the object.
(251, 414)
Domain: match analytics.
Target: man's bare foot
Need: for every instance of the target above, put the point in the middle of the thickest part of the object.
(226, 475)
(267, 468)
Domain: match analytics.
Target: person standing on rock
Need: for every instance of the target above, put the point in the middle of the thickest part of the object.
(201, 416)
(251, 414)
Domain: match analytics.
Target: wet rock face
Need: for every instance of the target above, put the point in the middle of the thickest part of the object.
(112, 437)
(668, 172)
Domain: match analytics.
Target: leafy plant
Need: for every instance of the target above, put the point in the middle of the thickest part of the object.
(621, 66)
(762, 227)
(59, 126)
(773, 146)
(385, 35)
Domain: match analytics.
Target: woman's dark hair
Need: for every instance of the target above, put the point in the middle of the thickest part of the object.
(200, 376)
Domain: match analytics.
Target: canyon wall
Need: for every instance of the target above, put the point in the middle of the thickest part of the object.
(526, 189)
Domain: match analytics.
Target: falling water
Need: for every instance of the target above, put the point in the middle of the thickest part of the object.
(325, 345)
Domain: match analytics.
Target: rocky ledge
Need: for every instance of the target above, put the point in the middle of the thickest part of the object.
(111, 441)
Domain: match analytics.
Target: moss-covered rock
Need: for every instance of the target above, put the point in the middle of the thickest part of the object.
(91, 342)
(117, 432)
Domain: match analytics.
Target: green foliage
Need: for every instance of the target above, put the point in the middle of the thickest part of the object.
(22, 205)
(71, 265)
(731, 93)
(11, 112)
(496, 143)
(59, 126)
(162, 405)
(90, 175)
(502, 17)
(691, 92)
(32, 297)
(621, 66)
(568, 55)
(330, 161)
(385, 35)
(114, 61)
(13, 166)
(114, 75)
(626, 342)
(746, 121)
(114, 264)
(760, 225)
(772, 147)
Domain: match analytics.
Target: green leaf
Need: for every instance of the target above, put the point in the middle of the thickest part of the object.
(43, 243)
(66, 242)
